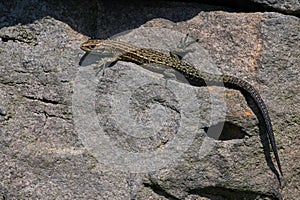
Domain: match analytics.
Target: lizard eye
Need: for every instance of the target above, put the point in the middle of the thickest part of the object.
(92, 46)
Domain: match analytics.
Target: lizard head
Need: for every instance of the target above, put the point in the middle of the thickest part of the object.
(92, 45)
(97, 46)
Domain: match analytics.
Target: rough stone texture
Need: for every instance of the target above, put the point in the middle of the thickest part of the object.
(286, 6)
(43, 157)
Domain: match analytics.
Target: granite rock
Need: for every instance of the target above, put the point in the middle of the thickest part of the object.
(43, 154)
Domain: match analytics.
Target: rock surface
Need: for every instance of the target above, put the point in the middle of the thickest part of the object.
(43, 155)
(286, 6)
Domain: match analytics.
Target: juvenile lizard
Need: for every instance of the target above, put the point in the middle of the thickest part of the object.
(122, 51)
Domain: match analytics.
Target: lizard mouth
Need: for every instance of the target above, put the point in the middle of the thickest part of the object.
(86, 47)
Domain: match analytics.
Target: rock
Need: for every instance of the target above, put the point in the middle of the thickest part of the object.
(44, 153)
(289, 6)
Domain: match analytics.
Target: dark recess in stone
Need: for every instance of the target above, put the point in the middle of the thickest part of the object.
(230, 131)
(242, 6)
(158, 190)
(215, 193)
(5, 39)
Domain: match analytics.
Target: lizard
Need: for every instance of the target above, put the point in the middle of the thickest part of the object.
(118, 50)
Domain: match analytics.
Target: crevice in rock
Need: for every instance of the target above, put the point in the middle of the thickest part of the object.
(55, 116)
(6, 38)
(229, 131)
(160, 191)
(215, 193)
(46, 115)
(44, 100)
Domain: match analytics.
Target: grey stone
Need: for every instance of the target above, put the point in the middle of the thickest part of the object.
(42, 156)
(286, 6)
